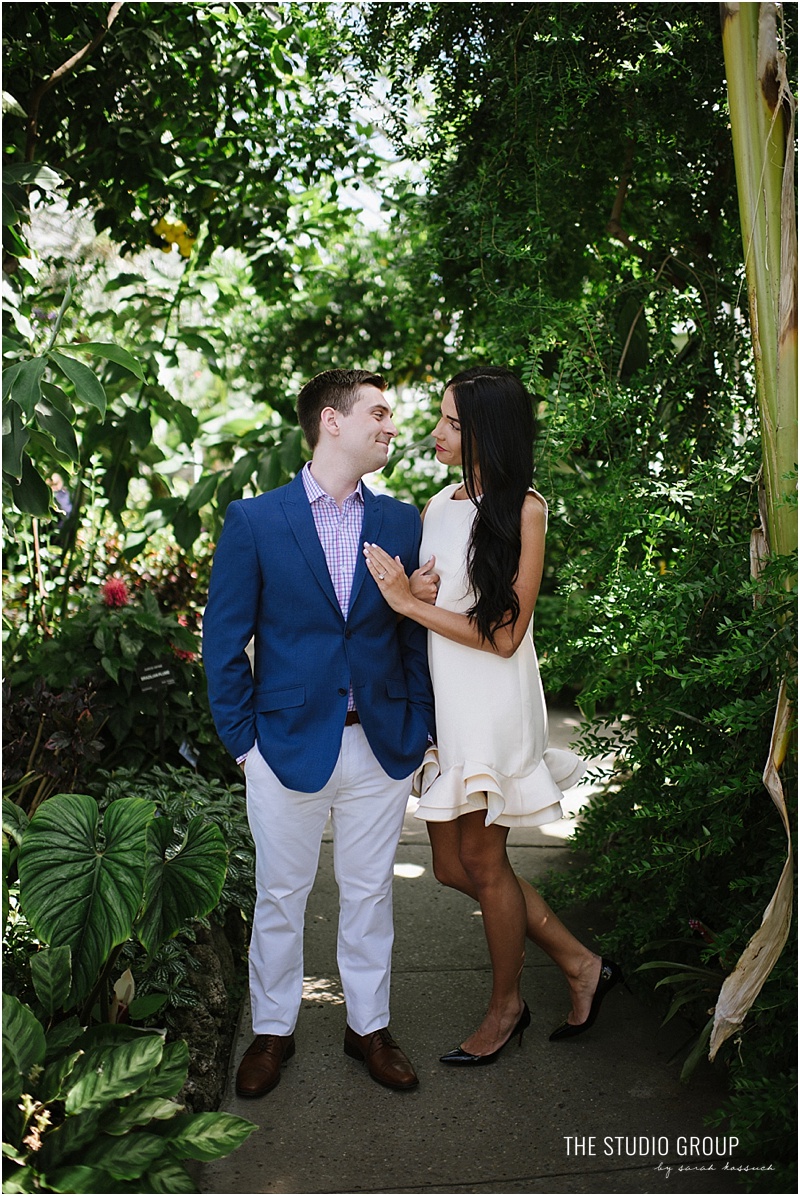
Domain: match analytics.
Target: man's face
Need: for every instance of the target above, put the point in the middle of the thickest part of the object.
(366, 433)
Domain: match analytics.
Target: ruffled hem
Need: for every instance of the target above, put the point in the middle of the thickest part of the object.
(509, 801)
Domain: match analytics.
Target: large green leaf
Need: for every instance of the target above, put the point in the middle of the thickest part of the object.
(15, 820)
(88, 386)
(112, 353)
(140, 1111)
(207, 1136)
(78, 1178)
(202, 491)
(51, 972)
(80, 887)
(67, 1142)
(26, 388)
(167, 1175)
(61, 1037)
(126, 1157)
(31, 493)
(183, 887)
(59, 427)
(110, 1073)
(23, 1046)
(170, 1075)
(32, 174)
(10, 375)
(54, 1081)
(15, 437)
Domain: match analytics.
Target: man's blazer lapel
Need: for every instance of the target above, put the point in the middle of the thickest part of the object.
(370, 532)
(301, 521)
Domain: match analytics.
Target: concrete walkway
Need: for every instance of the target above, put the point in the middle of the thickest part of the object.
(604, 1112)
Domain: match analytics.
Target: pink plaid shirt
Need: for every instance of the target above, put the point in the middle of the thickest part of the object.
(339, 531)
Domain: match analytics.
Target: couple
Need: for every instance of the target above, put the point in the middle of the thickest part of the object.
(337, 714)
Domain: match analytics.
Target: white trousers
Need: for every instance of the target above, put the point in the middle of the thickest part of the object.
(366, 808)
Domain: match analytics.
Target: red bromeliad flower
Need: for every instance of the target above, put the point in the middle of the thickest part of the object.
(115, 592)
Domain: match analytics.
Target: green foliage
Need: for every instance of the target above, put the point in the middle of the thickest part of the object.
(114, 650)
(581, 219)
(94, 1110)
(88, 888)
(213, 116)
(183, 795)
(91, 1107)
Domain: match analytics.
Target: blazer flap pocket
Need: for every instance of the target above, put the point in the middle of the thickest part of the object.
(279, 699)
(396, 687)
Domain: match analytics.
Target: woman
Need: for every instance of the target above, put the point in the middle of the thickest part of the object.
(491, 768)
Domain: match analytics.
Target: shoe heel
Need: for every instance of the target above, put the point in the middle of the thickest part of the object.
(353, 1052)
(524, 1021)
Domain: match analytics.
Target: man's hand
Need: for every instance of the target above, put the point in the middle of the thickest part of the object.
(424, 582)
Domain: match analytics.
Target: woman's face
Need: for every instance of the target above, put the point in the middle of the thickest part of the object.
(447, 432)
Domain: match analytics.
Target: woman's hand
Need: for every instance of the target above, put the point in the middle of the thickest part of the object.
(424, 582)
(390, 577)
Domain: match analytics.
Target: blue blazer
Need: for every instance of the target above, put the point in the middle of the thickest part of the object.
(270, 580)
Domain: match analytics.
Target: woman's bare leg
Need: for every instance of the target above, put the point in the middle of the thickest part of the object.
(482, 852)
(581, 967)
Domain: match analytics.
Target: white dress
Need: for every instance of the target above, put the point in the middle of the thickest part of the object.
(491, 720)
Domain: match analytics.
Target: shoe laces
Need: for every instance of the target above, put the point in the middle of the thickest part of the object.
(385, 1038)
(266, 1042)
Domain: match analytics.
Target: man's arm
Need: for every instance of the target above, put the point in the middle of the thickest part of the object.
(228, 626)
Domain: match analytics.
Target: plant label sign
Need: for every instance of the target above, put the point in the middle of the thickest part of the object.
(155, 676)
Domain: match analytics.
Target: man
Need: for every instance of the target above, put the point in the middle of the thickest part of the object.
(334, 718)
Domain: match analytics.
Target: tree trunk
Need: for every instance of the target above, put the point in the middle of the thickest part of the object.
(762, 112)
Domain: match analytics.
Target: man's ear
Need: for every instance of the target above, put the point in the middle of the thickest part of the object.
(328, 418)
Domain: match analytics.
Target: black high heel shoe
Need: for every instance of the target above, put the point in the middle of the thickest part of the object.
(610, 974)
(462, 1058)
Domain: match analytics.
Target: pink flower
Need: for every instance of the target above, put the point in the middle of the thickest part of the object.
(182, 654)
(115, 592)
(700, 928)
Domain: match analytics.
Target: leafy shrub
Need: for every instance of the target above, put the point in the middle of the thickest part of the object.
(50, 741)
(181, 795)
(142, 665)
(69, 1123)
(683, 653)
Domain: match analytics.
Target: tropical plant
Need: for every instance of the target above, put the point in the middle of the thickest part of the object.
(89, 1105)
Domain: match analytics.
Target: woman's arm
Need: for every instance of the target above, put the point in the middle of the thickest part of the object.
(393, 584)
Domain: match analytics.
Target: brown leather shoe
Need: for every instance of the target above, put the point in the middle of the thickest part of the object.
(386, 1062)
(260, 1068)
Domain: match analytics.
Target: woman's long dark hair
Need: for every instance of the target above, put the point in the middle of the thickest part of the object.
(497, 433)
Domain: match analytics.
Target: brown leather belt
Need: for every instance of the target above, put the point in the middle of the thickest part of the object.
(351, 718)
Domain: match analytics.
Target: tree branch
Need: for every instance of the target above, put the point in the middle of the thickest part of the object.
(58, 74)
(614, 226)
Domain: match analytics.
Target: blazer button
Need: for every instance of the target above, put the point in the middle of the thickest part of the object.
(348, 633)
(342, 693)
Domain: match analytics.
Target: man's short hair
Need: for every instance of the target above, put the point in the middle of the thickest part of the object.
(332, 388)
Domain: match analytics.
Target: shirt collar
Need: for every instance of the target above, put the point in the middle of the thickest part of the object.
(315, 492)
